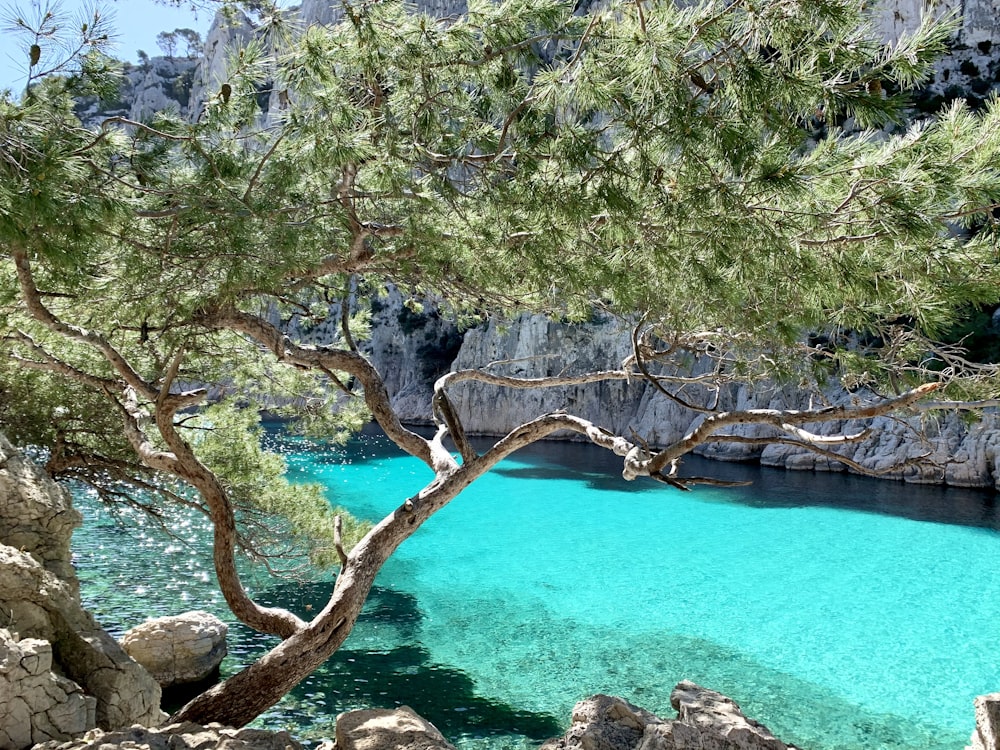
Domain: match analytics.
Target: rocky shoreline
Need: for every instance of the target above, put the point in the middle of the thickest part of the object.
(415, 349)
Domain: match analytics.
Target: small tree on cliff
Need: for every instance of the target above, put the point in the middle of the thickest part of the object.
(678, 165)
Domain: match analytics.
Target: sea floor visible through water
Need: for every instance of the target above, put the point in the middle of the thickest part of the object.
(844, 613)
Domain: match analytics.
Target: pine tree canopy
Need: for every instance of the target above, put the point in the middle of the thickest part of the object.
(737, 167)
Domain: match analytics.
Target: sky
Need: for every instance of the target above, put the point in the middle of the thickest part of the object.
(136, 24)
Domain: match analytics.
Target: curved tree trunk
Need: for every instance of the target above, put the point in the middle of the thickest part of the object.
(247, 694)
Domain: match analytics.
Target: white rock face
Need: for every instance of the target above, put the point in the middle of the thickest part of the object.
(410, 349)
(179, 649)
(987, 733)
(36, 514)
(60, 672)
(185, 736)
(327, 12)
(226, 34)
(164, 84)
(966, 454)
(36, 703)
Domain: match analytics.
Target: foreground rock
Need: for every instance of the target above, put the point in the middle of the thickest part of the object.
(35, 703)
(987, 734)
(179, 649)
(706, 721)
(60, 672)
(184, 736)
(386, 729)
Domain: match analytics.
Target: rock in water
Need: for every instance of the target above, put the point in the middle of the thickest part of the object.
(385, 729)
(987, 733)
(604, 722)
(179, 649)
(706, 721)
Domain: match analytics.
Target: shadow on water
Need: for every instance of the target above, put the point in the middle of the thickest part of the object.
(770, 487)
(778, 488)
(391, 669)
(384, 606)
(445, 696)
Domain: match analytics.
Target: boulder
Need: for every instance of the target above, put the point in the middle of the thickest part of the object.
(60, 672)
(388, 729)
(36, 703)
(179, 649)
(183, 736)
(706, 721)
(987, 733)
(604, 722)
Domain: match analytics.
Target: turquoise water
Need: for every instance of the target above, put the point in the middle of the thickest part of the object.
(841, 612)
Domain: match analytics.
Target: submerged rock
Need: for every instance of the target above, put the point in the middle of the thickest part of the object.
(706, 720)
(180, 649)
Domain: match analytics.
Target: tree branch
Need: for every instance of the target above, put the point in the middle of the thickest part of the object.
(376, 395)
(37, 309)
(777, 418)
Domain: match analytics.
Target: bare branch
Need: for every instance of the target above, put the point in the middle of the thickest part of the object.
(354, 363)
(778, 418)
(508, 381)
(135, 420)
(345, 316)
(252, 182)
(443, 408)
(338, 539)
(814, 439)
(637, 358)
(33, 301)
(49, 363)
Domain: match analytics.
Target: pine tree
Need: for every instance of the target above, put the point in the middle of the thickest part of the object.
(727, 175)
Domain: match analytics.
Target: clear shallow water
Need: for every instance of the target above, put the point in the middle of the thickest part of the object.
(842, 612)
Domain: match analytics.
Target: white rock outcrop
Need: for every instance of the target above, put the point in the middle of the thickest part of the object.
(183, 736)
(179, 649)
(228, 32)
(987, 733)
(965, 453)
(46, 626)
(36, 704)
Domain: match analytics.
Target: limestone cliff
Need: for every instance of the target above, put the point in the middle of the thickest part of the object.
(60, 672)
(159, 84)
(967, 453)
